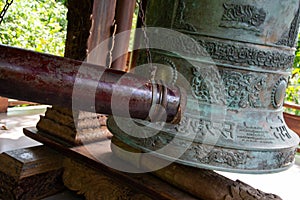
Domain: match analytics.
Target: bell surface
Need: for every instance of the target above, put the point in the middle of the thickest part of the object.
(237, 74)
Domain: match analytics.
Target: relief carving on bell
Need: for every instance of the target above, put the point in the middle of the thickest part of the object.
(233, 120)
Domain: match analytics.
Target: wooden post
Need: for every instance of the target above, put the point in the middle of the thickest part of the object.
(3, 104)
(124, 15)
(79, 24)
(102, 25)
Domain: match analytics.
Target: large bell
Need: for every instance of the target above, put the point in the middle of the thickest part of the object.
(233, 119)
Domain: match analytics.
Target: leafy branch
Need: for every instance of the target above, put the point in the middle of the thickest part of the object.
(39, 25)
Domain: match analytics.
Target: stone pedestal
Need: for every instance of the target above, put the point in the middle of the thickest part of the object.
(73, 127)
(70, 126)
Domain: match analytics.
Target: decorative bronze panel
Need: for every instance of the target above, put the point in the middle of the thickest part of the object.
(232, 55)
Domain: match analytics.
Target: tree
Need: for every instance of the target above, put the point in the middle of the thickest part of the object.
(39, 25)
(293, 89)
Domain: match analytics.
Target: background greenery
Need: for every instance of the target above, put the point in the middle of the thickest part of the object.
(293, 90)
(39, 25)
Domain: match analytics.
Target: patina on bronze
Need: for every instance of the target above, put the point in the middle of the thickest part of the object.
(42, 78)
(238, 125)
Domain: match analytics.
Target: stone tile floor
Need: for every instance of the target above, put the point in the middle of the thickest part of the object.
(11, 127)
(284, 184)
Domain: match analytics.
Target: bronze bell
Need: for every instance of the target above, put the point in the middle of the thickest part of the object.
(234, 115)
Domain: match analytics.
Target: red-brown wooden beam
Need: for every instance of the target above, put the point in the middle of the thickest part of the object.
(47, 79)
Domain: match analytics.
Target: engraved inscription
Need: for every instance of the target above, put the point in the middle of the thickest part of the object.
(242, 90)
(242, 17)
(203, 127)
(180, 21)
(231, 53)
(234, 89)
(285, 157)
(280, 131)
(254, 134)
(173, 73)
(207, 85)
(209, 155)
(237, 54)
(155, 141)
(289, 38)
(278, 93)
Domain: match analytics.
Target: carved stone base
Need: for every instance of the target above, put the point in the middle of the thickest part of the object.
(31, 173)
(73, 127)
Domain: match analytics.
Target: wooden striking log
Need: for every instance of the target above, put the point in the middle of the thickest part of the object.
(202, 183)
(42, 78)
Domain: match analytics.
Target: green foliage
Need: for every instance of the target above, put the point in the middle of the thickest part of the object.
(64, 2)
(39, 25)
(292, 111)
(133, 27)
(293, 90)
